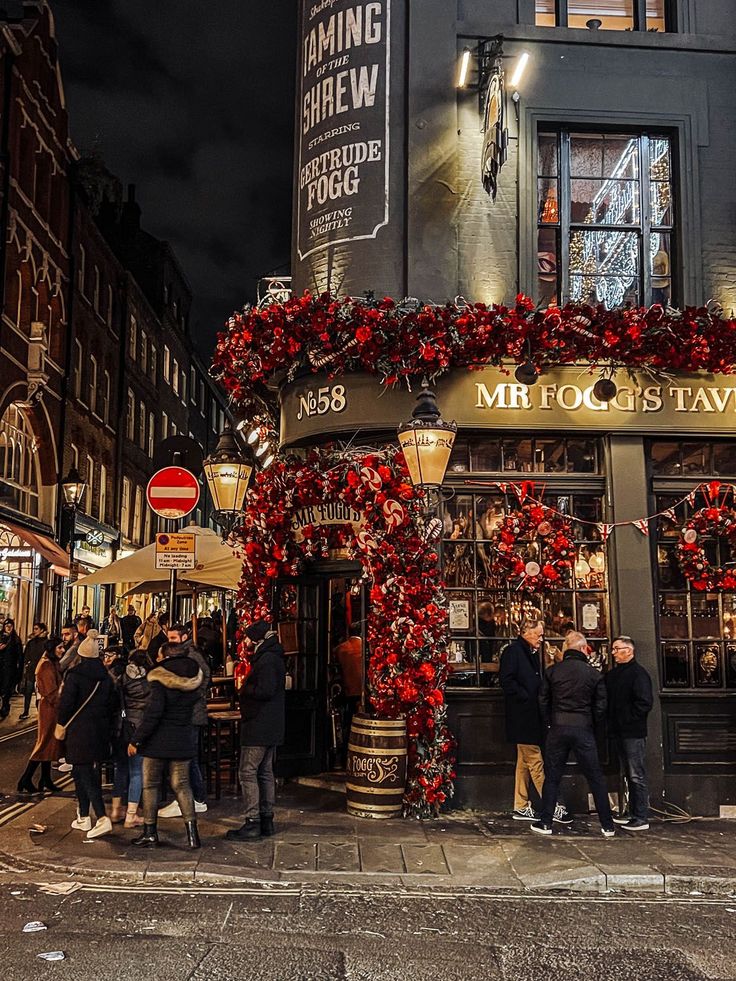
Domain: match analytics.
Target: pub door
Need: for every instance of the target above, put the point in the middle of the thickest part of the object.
(313, 616)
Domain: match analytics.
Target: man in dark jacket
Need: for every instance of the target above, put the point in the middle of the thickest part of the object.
(11, 650)
(262, 707)
(629, 690)
(572, 698)
(520, 678)
(32, 654)
(178, 637)
(128, 626)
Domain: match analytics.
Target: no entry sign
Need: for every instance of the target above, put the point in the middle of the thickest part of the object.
(172, 492)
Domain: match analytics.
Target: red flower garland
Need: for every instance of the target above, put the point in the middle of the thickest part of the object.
(398, 341)
(715, 520)
(407, 621)
(535, 522)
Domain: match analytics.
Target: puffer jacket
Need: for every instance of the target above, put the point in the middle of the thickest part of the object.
(573, 693)
(136, 692)
(166, 731)
(262, 697)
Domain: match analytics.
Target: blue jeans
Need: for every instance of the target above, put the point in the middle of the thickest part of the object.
(257, 780)
(135, 771)
(561, 740)
(631, 756)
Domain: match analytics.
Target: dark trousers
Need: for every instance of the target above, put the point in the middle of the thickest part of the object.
(562, 740)
(27, 696)
(88, 784)
(631, 756)
(257, 780)
(178, 774)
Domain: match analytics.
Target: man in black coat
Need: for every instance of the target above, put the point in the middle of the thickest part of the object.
(630, 701)
(262, 707)
(572, 698)
(128, 626)
(520, 678)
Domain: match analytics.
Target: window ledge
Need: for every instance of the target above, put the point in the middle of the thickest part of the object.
(608, 39)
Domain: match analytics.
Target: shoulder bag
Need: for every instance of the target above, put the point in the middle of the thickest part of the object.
(60, 730)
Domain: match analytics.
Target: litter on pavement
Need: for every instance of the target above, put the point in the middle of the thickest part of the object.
(59, 888)
(34, 926)
(52, 955)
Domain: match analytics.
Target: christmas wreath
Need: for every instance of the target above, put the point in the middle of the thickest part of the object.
(407, 618)
(716, 520)
(534, 522)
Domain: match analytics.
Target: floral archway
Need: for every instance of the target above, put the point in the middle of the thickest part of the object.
(407, 618)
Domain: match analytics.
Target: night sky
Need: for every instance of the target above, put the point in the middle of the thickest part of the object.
(192, 101)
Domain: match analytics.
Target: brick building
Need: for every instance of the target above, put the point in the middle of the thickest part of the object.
(96, 362)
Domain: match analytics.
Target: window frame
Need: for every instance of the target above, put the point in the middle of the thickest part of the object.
(639, 16)
(643, 229)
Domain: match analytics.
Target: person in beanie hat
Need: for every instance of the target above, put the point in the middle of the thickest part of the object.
(262, 709)
(86, 708)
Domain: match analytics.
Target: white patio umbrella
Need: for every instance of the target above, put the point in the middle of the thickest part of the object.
(217, 565)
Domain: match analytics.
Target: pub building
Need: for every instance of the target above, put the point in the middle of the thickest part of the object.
(576, 153)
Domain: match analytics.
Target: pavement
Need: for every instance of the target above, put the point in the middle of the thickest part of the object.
(318, 842)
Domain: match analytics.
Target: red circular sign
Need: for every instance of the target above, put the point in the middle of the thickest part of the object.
(172, 492)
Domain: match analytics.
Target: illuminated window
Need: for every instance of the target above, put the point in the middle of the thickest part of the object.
(603, 15)
(605, 218)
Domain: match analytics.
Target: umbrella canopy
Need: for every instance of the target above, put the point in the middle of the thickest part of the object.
(217, 565)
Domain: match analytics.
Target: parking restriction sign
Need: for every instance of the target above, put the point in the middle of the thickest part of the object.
(175, 551)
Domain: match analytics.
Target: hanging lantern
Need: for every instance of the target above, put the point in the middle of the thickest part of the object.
(227, 476)
(427, 441)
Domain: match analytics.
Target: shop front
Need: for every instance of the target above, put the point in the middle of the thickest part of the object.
(31, 569)
(94, 548)
(619, 479)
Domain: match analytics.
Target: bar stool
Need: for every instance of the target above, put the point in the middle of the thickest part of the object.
(223, 729)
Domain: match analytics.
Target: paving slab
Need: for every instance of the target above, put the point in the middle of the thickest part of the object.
(486, 864)
(381, 857)
(300, 856)
(425, 860)
(338, 856)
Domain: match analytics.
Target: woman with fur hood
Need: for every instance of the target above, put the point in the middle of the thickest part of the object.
(167, 740)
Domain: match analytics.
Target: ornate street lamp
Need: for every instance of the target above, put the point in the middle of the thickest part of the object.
(227, 476)
(73, 488)
(427, 442)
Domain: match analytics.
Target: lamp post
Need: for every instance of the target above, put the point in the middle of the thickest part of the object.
(73, 488)
(427, 441)
(227, 475)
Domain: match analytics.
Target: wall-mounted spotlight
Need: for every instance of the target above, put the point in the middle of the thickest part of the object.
(462, 78)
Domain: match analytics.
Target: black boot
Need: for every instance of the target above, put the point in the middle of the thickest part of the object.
(267, 828)
(250, 831)
(25, 784)
(193, 834)
(148, 837)
(46, 783)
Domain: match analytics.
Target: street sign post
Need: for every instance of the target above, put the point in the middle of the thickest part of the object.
(175, 551)
(173, 492)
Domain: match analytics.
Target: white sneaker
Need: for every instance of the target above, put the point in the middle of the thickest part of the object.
(103, 827)
(82, 824)
(65, 767)
(171, 810)
(200, 806)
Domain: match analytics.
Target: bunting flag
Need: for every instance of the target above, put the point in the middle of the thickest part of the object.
(643, 525)
(605, 530)
(502, 486)
(691, 497)
(669, 513)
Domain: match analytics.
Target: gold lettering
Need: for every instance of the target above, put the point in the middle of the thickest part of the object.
(679, 396)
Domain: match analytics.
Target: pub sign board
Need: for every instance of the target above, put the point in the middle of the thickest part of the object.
(562, 400)
(343, 123)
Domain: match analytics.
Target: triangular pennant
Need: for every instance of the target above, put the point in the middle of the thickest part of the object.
(669, 513)
(519, 491)
(604, 529)
(643, 525)
(691, 497)
(502, 486)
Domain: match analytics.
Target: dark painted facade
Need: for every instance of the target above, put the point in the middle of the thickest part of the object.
(630, 128)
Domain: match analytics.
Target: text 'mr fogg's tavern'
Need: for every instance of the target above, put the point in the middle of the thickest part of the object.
(649, 398)
(344, 122)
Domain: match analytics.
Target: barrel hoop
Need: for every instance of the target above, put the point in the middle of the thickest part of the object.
(374, 807)
(380, 724)
(375, 790)
(369, 751)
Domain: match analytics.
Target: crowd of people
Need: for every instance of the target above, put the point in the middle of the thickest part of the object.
(551, 714)
(140, 705)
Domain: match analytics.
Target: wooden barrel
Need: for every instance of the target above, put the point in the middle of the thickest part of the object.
(376, 769)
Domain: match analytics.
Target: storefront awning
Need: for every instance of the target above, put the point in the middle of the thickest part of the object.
(44, 545)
